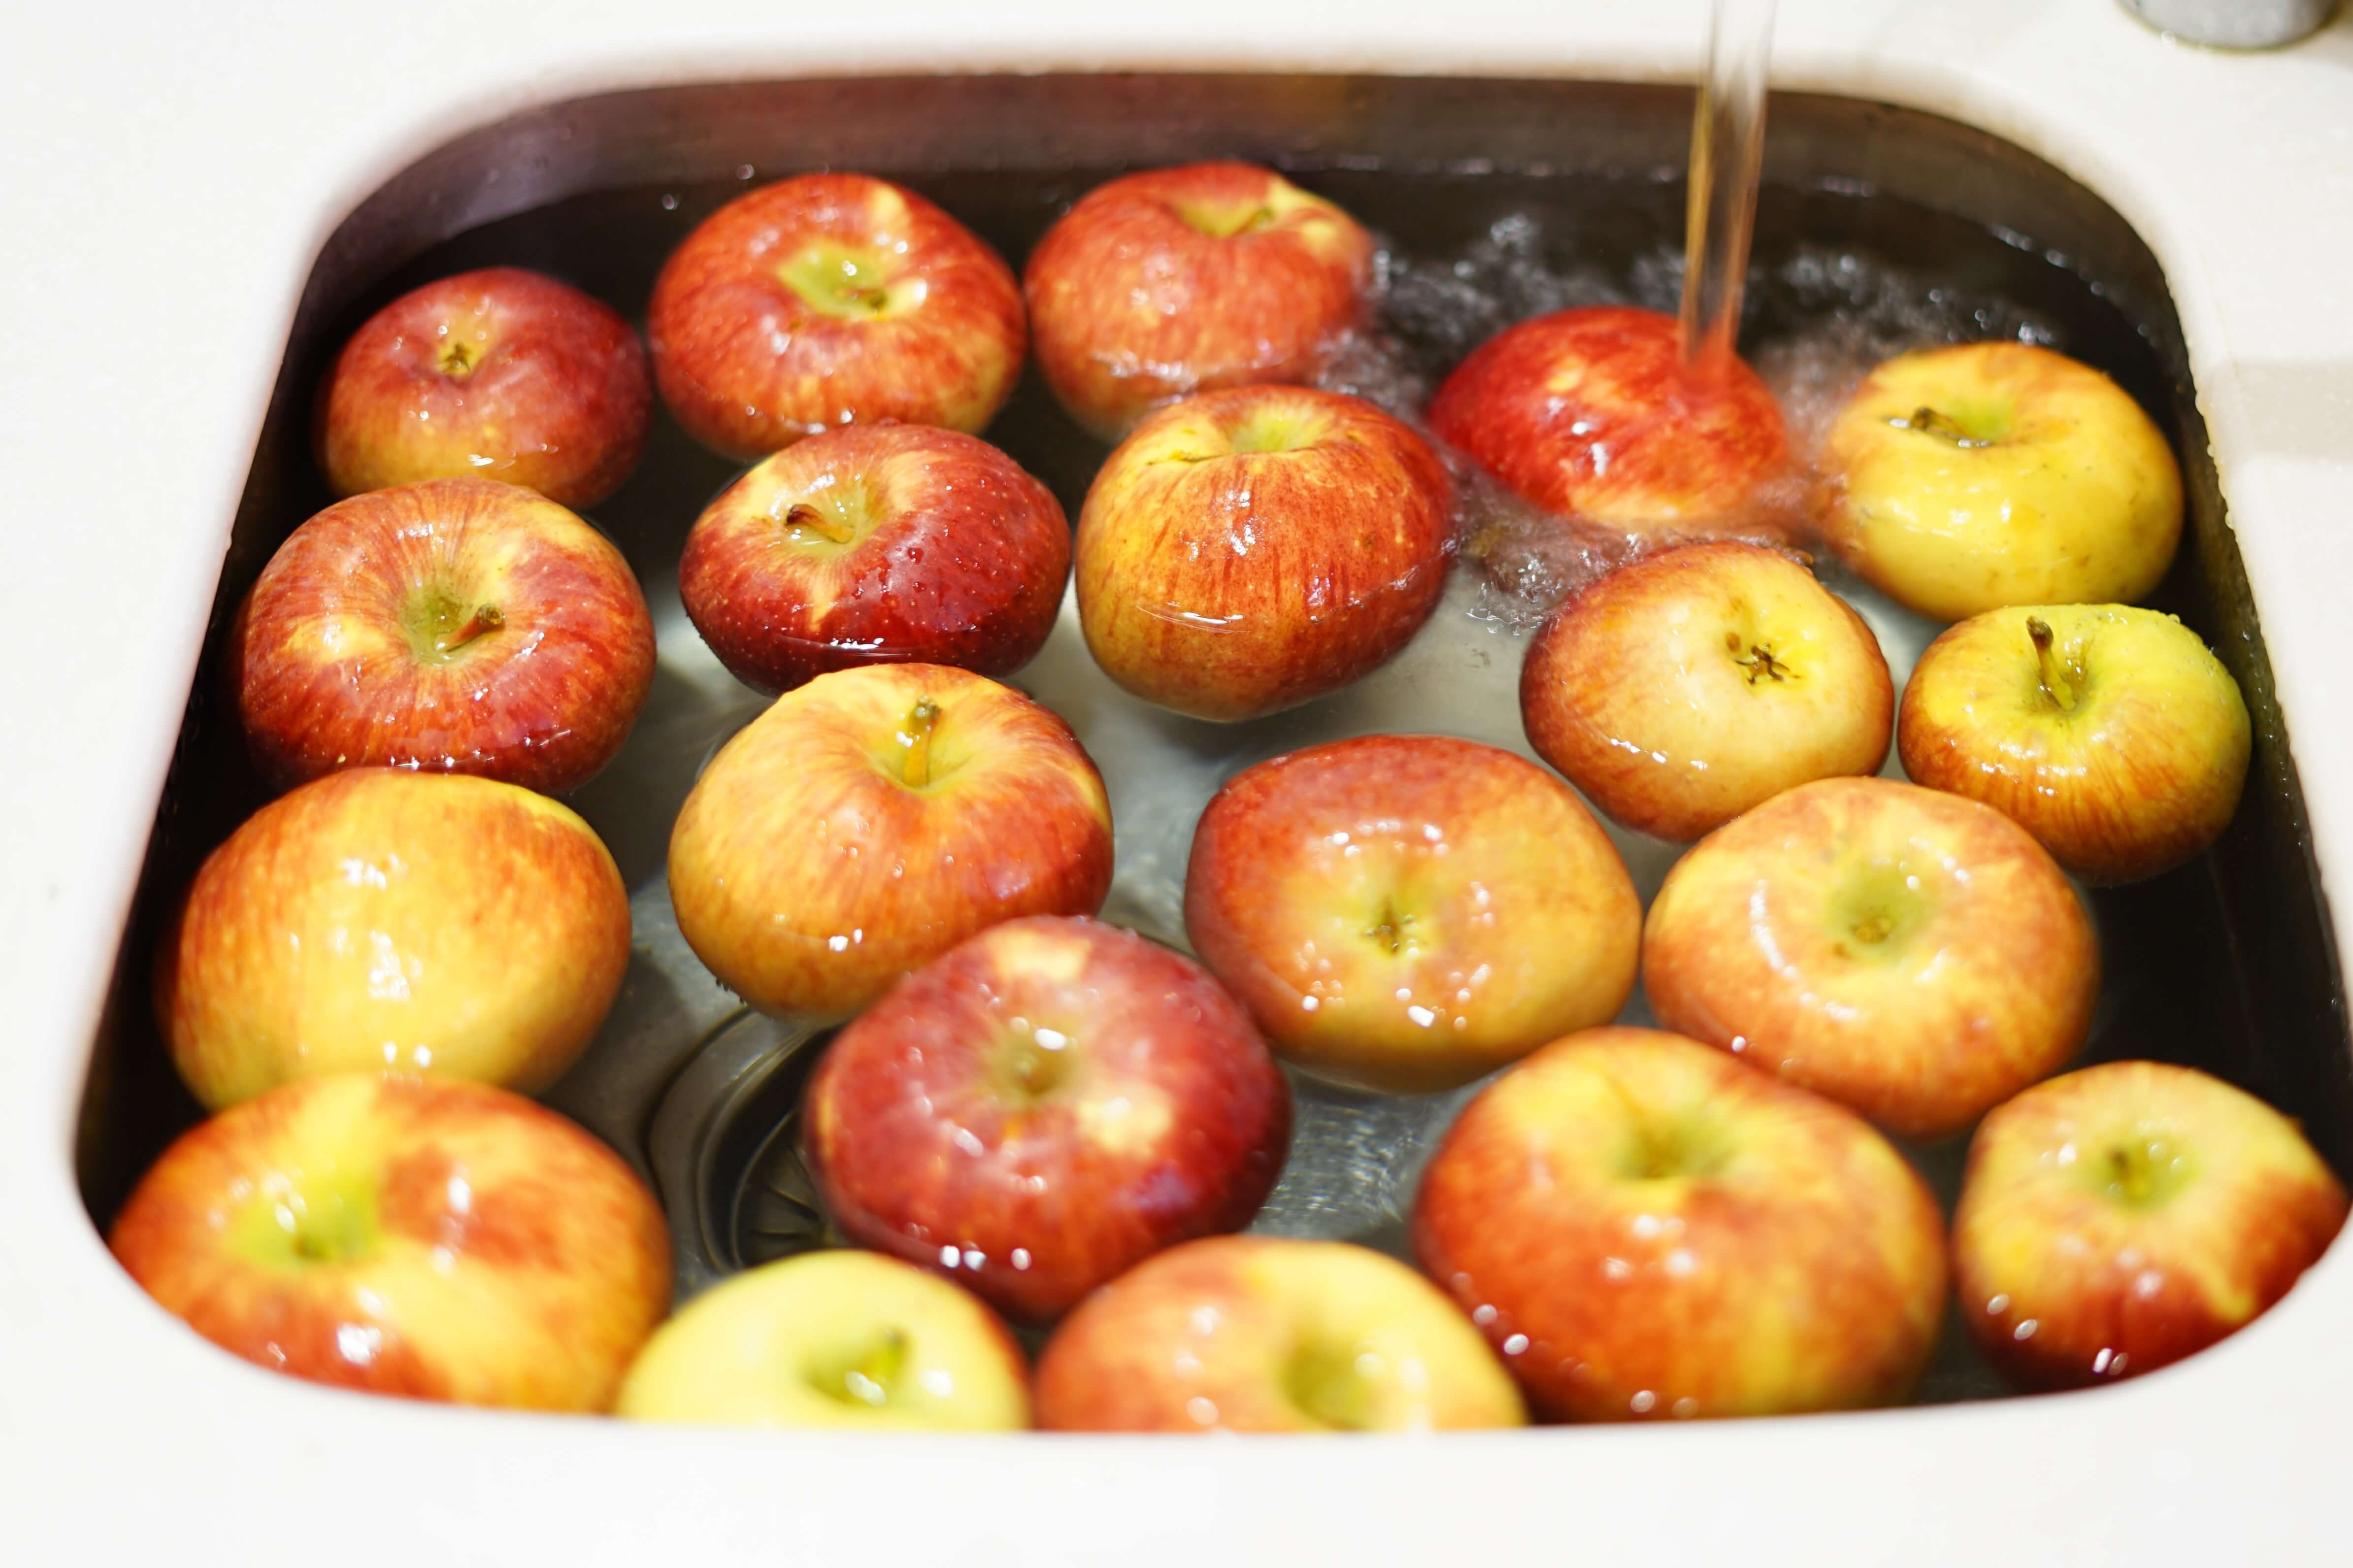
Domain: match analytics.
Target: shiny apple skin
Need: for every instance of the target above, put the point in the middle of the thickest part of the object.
(1271, 1334)
(554, 393)
(809, 876)
(1980, 981)
(2067, 1279)
(1514, 918)
(1228, 582)
(378, 919)
(958, 558)
(792, 1343)
(479, 1249)
(1590, 413)
(749, 364)
(2141, 773)
(333, 655)
(1161, 284)
(2074, 499)
(1786, 1259)
(1691, 685)
(1168, 1120)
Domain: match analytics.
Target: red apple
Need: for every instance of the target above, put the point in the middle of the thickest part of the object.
(1592, 413)
(499, 374)
(1043, 1106)
(1271, 1334)
(1915, 955)
(408, 1237)
(453, 625)
(1411, 912)
(2122, 1217)
(877, 545)
(871, 820)
(1683, 689)
(379, 919)
(1646, 1228)
(1161, 284)
(833, 299)
(1248, 550)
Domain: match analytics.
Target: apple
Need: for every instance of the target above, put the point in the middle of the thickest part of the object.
(2111, 734)
(833, 1339)
(871, 820)
(1245, 551)
(499, 374)
(2119, 1218)
(1646, 1228)
(378, 919)
(1271, 1334)
(1592, 413)
(877, 545)
(405, 1235)
(1160, 284)
(1682, 690)
(1042, 1107)
(1967, 478)
(1913, 956)
(452, 625)
(1408, 913)
(833, 299)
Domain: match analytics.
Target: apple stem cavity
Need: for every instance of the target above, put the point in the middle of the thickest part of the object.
(916, 735)
(805, 516)
(2055, 684)
(1928, 421)
(868, 1377)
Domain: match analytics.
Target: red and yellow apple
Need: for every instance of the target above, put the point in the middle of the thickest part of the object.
(378, 919)
(839, 1339)
(1248, 550)
(1161, 284)
(1683, 689)
(1910, 954)
(405, 1235)
(2119, 1218)
(1042, 1108)
(1592, 413)
(831, 299)
(2111, 734)
(499, 374)
(1646, 1228)
(1271, 1334)
(871, 820)
(453, 625)
(1967, 478)
(890, 543)
(1410, 912)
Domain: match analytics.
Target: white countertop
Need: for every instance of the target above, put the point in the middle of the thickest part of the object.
(168, 184)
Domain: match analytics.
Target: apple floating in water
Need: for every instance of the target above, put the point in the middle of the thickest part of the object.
(2109, 733)
(1967, 478)
(405, 1235)
(1157, 285)
(2118, 1219)
(1411, 912)
(1686, 687)
(1271, 1334)
(829, 300)
(837, 1339)
(1645, 1228)
(452, 625)
(499, 374)
(1912, 954)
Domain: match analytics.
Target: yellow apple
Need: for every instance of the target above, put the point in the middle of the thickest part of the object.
(833, 1339)
(2109, 733)
(1271, 1334)
(1967, 478)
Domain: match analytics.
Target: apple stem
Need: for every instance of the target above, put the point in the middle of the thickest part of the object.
(488, 617)
(916, 736)
(870, 1379)
(2055, 685)
(804, 515)
(1929, 422)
